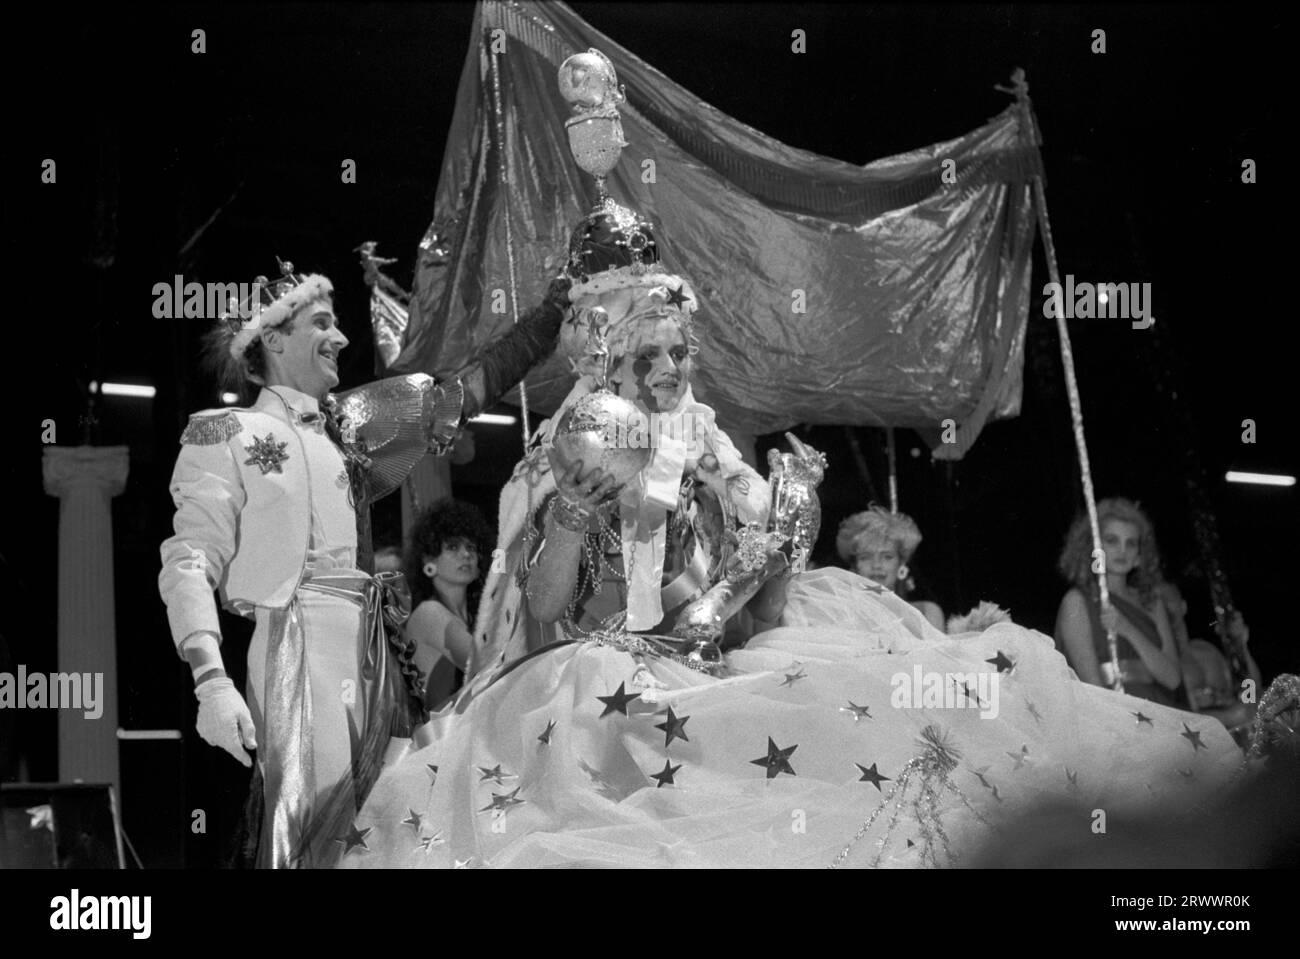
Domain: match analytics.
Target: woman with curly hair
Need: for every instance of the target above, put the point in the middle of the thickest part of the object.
(1148, 656)
(878, 545)
(446, 561)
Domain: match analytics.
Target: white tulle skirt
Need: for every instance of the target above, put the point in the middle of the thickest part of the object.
(853, 735)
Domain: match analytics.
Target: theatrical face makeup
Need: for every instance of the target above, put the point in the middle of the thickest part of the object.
(656, 369)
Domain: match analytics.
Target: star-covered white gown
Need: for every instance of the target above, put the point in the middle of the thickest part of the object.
(842, 737)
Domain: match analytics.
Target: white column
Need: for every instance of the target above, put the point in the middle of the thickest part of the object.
(85, 479)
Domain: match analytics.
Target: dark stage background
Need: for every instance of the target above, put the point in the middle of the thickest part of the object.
(1143, 148)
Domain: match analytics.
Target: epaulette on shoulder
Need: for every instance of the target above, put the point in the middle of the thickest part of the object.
(208, 428)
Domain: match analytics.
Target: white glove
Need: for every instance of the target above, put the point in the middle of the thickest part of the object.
(224, 720)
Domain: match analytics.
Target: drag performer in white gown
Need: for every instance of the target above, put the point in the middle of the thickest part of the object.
(602, 725)
(272, 508)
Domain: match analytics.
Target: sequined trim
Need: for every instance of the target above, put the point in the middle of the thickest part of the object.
(209, 430)
(637, 644)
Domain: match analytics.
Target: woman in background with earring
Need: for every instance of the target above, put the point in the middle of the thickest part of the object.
(445, 565)
(878, 545)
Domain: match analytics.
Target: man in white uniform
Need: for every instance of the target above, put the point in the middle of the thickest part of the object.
(269, 499)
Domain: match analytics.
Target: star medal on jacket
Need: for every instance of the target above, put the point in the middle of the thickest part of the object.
(267, 454)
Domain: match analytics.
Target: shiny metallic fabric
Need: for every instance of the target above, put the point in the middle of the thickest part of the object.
(398, 420)
(885, 294)
(303, 817)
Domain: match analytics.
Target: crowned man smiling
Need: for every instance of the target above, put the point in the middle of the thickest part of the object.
(272, 510)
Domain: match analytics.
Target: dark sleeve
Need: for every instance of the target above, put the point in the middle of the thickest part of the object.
(507, 360)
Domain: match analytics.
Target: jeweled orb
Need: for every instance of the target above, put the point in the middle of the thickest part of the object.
(602, 430)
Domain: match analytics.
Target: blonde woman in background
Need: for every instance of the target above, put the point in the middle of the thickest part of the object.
(878, 545)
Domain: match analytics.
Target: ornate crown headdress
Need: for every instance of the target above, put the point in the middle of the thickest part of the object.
(613, 255)
(271, 303)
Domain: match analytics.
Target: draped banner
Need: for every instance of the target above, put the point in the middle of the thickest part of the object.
(894, 294)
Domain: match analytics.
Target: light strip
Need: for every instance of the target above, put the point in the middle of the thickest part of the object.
(149, 734)
(1260, 479)
(127, 389)
(494, 419)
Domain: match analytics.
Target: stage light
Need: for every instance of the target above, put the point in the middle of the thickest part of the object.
(494, 419)
(127, 389)
(229, 398)
(1260, 479)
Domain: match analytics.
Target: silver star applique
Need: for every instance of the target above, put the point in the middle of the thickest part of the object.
(266, 454)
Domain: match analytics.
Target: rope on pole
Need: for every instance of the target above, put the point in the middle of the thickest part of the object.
(1021, 90)
(893, 470)
(504, 156)
(503, 153)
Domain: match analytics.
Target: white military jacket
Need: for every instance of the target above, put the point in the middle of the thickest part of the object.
(255, 489)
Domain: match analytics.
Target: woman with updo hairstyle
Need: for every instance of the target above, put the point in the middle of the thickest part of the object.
(1148, 654)
(878, 545)
(446, 561)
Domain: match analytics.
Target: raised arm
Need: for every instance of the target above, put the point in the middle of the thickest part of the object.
(507, 360)
(555, 573)
(375, 417)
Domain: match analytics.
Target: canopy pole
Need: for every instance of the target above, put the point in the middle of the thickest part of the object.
(861, 462)
(504, 155)
(1021, 90)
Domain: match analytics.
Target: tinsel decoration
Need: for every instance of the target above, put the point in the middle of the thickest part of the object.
(1272, 733)
(1276, 720)
(938, 750)
(932, 769)
(1206, 533)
